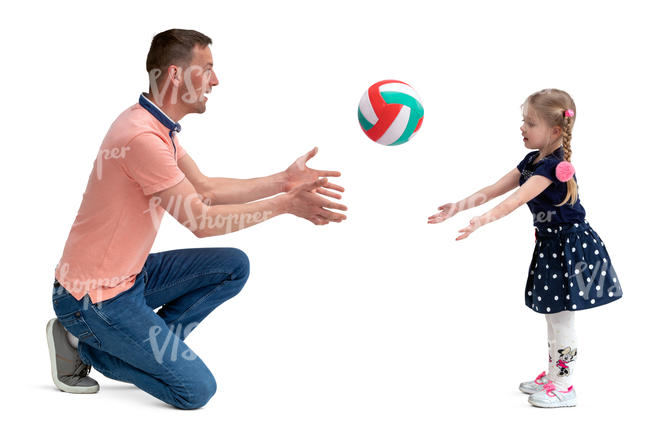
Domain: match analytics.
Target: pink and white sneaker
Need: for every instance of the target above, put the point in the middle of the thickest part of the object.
(534, 386)
(551, 396)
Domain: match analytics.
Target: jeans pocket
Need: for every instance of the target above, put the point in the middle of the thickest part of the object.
(100, 310)
(75, 323)
(116, 309)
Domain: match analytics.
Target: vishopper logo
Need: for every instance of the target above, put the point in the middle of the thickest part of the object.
(113, 153)
(592, 277)
(543, 217)
(190, 95)
(160, 346)
(95, 285)
(202, 221)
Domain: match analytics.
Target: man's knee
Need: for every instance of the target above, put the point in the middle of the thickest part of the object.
(241, 265)
(198, 393)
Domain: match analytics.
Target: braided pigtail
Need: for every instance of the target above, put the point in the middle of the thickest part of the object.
(572, 186)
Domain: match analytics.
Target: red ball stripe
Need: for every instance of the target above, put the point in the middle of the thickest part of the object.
(376, 100)
(385, 112)
(386, 119)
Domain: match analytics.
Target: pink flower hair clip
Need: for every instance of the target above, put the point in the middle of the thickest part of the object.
(564, 171)
(569, 113)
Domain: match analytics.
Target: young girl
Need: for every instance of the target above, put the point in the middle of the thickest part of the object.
(570, 269)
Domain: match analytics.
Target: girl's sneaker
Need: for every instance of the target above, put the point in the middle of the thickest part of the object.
(534, 385)
(551, 396)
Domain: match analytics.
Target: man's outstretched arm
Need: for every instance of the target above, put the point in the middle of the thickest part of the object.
(186, 206)
(221, 190)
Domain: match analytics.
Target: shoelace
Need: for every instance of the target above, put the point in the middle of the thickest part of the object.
(552, 391)
(539, 377)
(81, 370)
(549, 387)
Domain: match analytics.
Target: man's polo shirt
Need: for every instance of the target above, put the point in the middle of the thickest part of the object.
(118, 219)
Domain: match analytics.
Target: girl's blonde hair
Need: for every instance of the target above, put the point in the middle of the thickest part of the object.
(550, 105)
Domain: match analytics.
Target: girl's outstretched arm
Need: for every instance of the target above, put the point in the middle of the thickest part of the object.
(529, 190)
(503, 185)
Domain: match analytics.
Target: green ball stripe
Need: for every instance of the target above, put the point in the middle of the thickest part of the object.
(404, 99)
(365, 124)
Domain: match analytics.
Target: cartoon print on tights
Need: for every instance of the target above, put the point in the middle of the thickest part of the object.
(566, 355)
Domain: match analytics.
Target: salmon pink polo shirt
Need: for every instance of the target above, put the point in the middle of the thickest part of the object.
(117, 221)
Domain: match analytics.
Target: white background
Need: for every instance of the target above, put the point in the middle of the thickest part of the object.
(381, 323)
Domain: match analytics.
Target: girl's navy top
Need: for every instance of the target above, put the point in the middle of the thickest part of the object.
(545, 214)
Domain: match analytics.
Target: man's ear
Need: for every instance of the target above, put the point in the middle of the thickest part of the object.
(174, 74)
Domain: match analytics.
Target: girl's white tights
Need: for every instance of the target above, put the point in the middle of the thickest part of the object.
(562, 349)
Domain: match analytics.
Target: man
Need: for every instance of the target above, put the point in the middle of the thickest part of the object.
(107, 284)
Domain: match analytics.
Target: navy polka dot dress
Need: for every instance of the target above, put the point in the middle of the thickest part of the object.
(570, 268)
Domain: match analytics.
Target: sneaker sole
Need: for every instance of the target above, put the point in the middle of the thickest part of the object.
(55, 376)
(553, 405)
(525, 391)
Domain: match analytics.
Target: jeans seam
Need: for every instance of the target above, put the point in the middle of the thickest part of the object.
(154, 360)
(84, 324)
(92, 333)
(167, 286)
(101, 315)
(199, 301)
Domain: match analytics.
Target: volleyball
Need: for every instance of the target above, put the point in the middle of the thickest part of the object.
(390, 112)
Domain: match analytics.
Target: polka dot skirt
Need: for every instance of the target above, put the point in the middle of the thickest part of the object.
(570, 270)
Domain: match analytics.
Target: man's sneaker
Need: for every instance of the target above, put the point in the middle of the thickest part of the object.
(534, 386)
(550, 396)
(69, 373)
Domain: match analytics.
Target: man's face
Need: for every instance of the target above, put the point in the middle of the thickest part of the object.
(198, 78)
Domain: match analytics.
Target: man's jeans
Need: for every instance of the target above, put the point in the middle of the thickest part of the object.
(124, 339)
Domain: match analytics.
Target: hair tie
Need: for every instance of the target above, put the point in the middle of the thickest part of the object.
(569, 113)
(564, 171)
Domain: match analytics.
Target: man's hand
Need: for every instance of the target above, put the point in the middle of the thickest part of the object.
(304, 201)
(298, 173)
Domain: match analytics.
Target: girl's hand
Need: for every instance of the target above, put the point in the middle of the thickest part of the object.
(446, 211)
(474, 223)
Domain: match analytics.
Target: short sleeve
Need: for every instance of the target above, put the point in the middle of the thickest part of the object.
(180, 151)
(523, 162)
(546, 168)
(149, 160)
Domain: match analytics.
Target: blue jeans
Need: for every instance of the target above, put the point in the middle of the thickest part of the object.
(124, 339)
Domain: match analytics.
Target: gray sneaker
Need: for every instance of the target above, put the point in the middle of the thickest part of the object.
(69, 373)
(533, 386)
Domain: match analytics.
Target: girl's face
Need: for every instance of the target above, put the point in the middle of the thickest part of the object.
(537, 134)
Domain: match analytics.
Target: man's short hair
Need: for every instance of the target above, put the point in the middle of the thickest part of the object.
(174, 47)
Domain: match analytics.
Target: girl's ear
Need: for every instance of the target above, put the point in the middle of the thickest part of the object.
(557, 131)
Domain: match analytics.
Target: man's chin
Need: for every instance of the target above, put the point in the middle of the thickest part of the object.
(200, 107)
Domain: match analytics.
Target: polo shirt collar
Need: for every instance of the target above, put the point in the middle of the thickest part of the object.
(159, 114)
